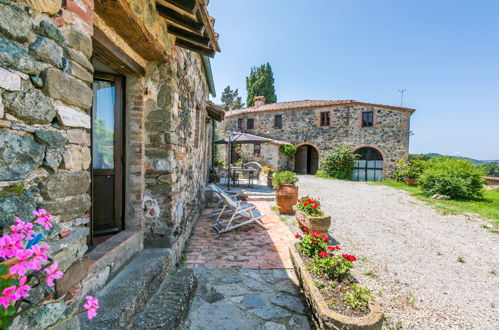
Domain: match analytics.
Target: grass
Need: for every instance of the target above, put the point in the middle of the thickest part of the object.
(487, 207)
(371, 273)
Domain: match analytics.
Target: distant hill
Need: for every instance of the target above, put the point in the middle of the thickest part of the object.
(474, 161)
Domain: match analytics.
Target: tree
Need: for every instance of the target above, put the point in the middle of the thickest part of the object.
(231, 99)
(261, 83)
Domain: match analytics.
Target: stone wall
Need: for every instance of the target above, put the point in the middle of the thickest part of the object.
(45, 131)
(177, 149)
(390, 133)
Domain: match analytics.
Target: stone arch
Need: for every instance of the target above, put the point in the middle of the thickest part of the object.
(307, 158)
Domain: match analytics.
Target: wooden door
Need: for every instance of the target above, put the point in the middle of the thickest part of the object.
(107, 155)
(301, 160)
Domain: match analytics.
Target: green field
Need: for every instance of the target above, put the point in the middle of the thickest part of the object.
(487, 207)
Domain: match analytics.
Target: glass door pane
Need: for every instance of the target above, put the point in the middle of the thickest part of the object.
(103, 125)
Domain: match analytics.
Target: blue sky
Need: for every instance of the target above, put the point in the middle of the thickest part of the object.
(444, 53)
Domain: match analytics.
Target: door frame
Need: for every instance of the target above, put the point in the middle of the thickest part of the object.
(119, 152)
(366, 167)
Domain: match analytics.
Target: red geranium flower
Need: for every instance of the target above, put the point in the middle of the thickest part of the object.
(297, 236)
(305, 229)
(349, 257)
(317, 232)
(323, 254)
(325, 239)
(330, 248)
(314, 242)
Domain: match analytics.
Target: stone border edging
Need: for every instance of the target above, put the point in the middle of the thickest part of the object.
(325, 317)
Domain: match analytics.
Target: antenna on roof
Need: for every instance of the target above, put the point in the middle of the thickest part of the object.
(402, 92)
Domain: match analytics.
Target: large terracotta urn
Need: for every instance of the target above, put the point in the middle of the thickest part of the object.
(286, 197)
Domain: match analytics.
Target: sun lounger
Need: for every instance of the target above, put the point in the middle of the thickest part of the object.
(242, 214)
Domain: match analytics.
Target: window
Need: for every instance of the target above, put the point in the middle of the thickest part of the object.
(256, 149)
(250, 124)
(368, 119)
(325, 119)
(239, 123)
(278, 121)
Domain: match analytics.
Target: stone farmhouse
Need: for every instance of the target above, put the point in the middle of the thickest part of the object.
(105, 122)
(378, 133)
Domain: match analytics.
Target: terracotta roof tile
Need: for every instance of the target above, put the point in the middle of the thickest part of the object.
(305, 104)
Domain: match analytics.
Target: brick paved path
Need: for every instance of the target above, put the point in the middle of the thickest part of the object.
(248, 246)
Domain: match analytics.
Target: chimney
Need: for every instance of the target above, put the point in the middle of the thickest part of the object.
(259, 101)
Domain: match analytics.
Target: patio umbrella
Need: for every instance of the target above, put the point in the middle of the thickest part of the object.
(239, 138)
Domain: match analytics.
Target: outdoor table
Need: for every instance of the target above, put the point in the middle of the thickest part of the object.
(244, 171)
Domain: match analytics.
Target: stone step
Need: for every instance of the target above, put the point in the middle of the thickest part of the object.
(169, 307)
(126, 295)
(260, 198)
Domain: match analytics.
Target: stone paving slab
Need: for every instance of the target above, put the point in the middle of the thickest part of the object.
(228, 298)
(248, 246)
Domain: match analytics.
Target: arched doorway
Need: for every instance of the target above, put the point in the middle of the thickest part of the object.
(369, 165)
(306, 159)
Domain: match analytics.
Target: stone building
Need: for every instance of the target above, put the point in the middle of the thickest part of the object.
(104, 122)
(378, 133)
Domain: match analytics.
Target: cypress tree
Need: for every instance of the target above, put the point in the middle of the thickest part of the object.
(261, 83)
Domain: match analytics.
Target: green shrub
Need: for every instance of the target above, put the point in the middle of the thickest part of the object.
(285, 177)
(288, 149)
(456, 178)
(408, 169)
(339, 163)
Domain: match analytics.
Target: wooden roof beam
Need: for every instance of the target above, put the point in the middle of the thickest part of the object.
(189, 6)
(108, 53)
(187, 35)
(194, 47)
(180, 20)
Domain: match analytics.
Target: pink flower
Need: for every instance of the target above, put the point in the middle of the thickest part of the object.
(40, 213)
(22, 289)
(7, 296)
(43, 218)
(38, 256)
(10, 245)
(91, 306)
(53, 273)
(23, 263)
(45, 221)
(22, 227)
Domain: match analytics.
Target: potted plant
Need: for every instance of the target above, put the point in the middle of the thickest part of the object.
(214, 178)
(310, 215)
(334, 297)
(408, 171)
(219, 164)
(268, 172)
(411, 178)
(286, 191)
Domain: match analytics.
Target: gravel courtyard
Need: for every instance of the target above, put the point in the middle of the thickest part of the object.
(429, 271)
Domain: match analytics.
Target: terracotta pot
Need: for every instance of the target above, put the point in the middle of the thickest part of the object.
(286, 197)
(321, 224)
(411, 182)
